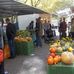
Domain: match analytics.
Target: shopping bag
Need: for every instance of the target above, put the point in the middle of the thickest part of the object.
(6, 51)
(1, 56)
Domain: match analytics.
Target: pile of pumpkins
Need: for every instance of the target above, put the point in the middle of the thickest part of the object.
(58, 53)
(53, 58)
(23, 39)
(23, 36)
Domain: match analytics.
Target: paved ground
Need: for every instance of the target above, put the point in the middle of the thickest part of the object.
(33, 64)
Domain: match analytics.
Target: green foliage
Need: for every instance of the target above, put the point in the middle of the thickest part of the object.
(23, 33)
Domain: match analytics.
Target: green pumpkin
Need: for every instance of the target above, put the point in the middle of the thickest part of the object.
(59, 50)
(64, 48)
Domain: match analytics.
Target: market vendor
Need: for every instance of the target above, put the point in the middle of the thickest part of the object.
(11, 31)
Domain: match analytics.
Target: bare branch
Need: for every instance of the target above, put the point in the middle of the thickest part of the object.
(25, 1)
(32, 2)
(37, 3)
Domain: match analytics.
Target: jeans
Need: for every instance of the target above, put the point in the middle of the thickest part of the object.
(12, 48)
(62, 34)
(38, 41)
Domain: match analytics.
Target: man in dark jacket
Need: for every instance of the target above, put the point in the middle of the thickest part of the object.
(11, 31)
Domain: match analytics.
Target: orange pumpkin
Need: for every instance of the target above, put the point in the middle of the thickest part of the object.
(56, 59)
(52, 50)
(50, 60)
(59, 57)
(29, 38)
(53, 54)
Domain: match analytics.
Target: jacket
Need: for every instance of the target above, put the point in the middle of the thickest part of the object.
(10, 31)
(63, 26)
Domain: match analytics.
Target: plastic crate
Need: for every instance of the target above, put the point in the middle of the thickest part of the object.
(61, 69)
(29, 47)
(24, 48)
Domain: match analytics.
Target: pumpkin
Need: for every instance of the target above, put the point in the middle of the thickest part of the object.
(62, 42)
(1, 56)
(59, 57)
(56, 59)
(53, 54)
(67, 57)
(64, 48)
(59, 49)
(52, 46)
(52, 50)
(55, 44)
(29, 38)
(70, 49)
(50, 60)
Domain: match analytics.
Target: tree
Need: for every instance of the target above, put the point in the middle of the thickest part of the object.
(50, 5)
(33, 3)
(25, 1)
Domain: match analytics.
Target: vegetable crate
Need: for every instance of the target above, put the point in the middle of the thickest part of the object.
(24, 48)
(61, 69)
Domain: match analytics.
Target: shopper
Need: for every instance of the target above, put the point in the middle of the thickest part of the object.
(10, 32)
(47, 31)
(72, 28)
(69, 28)
(38, 32)
(31, 27)
(62, 28)
(59, 24)
(47, 25)
(32, 31)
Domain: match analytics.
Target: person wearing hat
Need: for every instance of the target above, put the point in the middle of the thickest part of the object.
(10, 32)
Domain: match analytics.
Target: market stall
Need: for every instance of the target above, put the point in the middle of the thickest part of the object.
(61, 57)
(24, 43)
(10, 8)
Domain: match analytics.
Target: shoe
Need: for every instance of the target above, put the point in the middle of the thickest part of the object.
(11, 57)
(6, 72)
